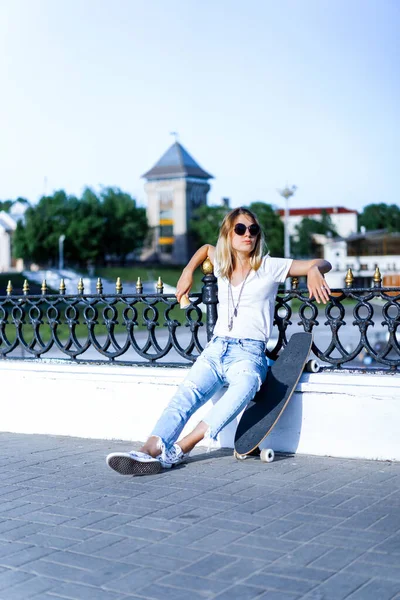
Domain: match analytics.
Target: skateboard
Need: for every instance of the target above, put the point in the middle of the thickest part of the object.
(263, 412)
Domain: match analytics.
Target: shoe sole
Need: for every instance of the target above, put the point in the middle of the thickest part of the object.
(129, 466)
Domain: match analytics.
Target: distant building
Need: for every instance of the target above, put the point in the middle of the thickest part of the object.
(176, 185)
(343, 219)
(362, 253)
(7, 227)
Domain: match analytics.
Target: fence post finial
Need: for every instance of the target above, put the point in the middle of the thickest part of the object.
(25, 287)
(377, 277)
(349, 278)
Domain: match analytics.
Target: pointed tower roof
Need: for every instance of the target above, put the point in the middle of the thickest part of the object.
(176, 162)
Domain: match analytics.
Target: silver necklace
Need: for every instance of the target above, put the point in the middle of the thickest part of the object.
(230, 299)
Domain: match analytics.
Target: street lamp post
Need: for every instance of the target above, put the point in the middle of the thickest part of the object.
(287, 193)
(61, 252)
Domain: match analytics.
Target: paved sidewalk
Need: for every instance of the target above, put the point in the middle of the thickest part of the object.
(300, 527)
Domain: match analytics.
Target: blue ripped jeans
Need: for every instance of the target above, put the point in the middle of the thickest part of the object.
(239, 363)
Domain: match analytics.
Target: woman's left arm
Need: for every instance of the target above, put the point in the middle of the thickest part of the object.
(314, 270)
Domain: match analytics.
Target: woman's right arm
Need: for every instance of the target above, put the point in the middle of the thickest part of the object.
(185, 281)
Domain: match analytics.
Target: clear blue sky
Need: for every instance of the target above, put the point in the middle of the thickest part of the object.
(262, 93)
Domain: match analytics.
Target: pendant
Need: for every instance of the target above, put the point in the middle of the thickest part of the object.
(230, 325)
(235, 312)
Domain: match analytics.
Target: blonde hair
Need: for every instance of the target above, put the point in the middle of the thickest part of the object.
(224, 254)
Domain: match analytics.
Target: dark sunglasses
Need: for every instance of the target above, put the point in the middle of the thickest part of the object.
(241, 228)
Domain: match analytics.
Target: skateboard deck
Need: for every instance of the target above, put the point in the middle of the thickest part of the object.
(263, 412)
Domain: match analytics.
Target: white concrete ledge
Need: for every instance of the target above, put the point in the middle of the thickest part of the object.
(331, 414)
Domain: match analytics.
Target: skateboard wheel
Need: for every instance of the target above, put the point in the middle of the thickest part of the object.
(267, 455)
(312, 366)
(239, 456)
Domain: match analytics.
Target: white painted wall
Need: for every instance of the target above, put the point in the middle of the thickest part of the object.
(330, 414)
(5, 250)
(345, 223)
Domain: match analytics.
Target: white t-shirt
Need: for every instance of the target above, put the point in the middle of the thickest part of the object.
(257, 303)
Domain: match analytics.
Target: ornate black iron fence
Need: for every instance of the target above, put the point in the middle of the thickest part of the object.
(358, 327)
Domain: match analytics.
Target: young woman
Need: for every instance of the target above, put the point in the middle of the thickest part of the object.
(247, 286)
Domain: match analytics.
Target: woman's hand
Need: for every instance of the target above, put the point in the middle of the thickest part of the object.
(184, 284)
(317, 285)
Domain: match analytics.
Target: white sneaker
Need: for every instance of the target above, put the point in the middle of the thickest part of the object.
(171, 457)
(133, 463)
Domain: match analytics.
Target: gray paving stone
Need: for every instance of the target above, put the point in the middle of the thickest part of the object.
(302, 517)
(305, 527)
(75, 591)
(96, 543)
(71, 533)
(338, 587)
(11, 578)
(162, 524)
(31, 588)
(204, 585)
(240, 570)
(208, 565)
(391, 545)
(124, 548)
(271, 595)
(305, 554)
(164, 592)
(350, 543)
(306, 532)
(242, 550)
(278, 582)
(336, 559)
(191, 534)
(216, 540)
(136, 580)
(230, 525)
(391, 572)
(297, 572)
(76, 560)
(17, 559)
(262, 541)
(23, 530)
(141, 533)
(377, 588)
(49, 541)
(248, 551)
(8, 548)
(240, 592)
(182, 553)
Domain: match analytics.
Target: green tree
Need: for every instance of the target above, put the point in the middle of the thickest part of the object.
(94, 226)
(125, 223)
(86, 230)
(205, 223)
(271, 225)
(302, 244)
(37, 238)
(6, 205)
(380, 216)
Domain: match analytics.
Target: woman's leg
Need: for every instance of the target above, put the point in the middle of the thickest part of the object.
(201, 383)
(245, 379)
